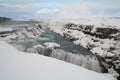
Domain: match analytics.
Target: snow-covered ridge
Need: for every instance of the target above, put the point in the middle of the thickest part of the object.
(16, 65)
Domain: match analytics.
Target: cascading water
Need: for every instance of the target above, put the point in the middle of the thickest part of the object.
(89, 62)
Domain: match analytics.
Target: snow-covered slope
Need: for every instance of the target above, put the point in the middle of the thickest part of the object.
(15, 65)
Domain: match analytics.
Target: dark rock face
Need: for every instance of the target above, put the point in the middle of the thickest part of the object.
(107, 32)
(102, 33)
(5, 33)
(2, 19)
(111, 62)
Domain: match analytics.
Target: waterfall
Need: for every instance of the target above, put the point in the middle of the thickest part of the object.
(88, 61)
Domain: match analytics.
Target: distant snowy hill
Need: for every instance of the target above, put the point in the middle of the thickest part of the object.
(2, 19)
(16, 65)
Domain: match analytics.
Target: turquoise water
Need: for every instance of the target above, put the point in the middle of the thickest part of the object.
(65, 43)
(50, 36)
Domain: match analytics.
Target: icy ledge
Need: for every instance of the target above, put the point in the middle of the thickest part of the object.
(16, 65)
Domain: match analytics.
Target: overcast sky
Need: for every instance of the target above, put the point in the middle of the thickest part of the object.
(59, 8)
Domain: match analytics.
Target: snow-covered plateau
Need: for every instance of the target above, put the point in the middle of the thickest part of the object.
(16, 65)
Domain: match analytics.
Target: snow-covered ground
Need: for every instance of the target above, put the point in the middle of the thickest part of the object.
(51, 45)
(16, 65)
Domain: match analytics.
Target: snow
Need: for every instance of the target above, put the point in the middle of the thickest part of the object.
(56, 26)
(38, 46)
(16, 65)
(51, 45)
(5, 29)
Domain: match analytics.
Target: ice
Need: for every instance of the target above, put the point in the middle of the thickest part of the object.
(51, 45)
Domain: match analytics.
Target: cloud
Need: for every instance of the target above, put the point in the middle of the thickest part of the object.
(47, 10)
(47, 13)
(29, 10)
(19, 7)
(89, 9)
(60, 8)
